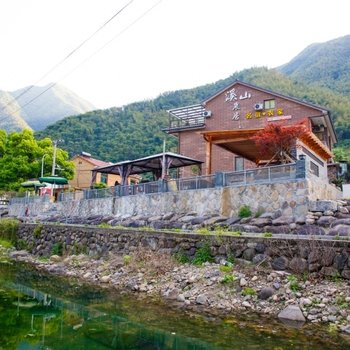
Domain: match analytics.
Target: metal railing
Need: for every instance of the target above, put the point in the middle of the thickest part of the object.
(260, 175)
(30, 199)
(271, 174)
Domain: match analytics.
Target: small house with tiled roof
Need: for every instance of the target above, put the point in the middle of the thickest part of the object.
(84, 165)
(219, 130)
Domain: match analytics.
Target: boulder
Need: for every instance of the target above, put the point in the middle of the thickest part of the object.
(310, 230)
(340, 230)
(266, 293)
(298, 265)
(292, 313)
(340, 261)
(325, 221)
(280, 263)
(341, 222)
(249, 254)
(282, 220)
(202, 299)
(323, 205)
(280, 230)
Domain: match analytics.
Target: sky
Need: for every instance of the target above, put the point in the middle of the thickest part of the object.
(154, 46)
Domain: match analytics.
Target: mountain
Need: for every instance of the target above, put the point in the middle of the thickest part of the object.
(325, 64)
(135, 130)
(10, 114)
(52, 105)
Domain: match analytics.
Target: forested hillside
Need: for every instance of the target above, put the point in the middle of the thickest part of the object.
(135, 130)
(323, 64)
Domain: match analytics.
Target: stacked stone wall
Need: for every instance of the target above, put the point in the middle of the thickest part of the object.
(298, 255)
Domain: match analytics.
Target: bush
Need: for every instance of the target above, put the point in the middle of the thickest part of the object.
(244, 212)
(181, 257)
(202, 255)
(8, 229)
(57, 249)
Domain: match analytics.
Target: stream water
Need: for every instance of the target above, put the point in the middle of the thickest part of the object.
(38, 311)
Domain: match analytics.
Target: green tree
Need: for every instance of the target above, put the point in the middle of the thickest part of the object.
(21, 156)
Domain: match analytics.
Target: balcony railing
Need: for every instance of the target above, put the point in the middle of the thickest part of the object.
(273, 174)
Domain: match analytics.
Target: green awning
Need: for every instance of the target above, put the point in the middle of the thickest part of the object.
(32, 184)
(54, 180)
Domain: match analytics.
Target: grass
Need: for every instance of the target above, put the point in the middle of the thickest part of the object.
(229, 278)
(5, 243)
(8, 229)
(248, 291)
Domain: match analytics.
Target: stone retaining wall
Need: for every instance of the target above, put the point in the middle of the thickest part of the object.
(326, 257)
(290, 197)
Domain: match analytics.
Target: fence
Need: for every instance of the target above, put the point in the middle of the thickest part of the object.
(271, 174)
(30, 199)
(260, 175)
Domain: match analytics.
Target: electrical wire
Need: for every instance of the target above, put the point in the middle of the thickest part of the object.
(67, 56)
(89, 57)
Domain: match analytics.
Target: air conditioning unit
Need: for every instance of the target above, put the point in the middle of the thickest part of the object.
(259, 106)
(206, 114)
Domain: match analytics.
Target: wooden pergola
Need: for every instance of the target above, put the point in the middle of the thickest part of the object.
(158, 164)
(240, 142)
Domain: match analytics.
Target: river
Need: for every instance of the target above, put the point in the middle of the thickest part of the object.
(38, 311)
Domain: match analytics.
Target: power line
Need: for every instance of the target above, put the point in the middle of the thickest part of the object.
(89, 57)
(68, 56)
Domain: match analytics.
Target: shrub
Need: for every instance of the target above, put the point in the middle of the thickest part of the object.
(8, 229)
(244, 212)
(229, 278)
(57, 249)
(37, 231)
(181, 257)
(293, 283)
(225, 268)
(202, 255)
(126, 259)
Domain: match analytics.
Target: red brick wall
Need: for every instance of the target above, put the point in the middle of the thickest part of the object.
(192, 143)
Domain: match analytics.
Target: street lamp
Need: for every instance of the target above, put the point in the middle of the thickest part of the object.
(54, 156)
(42, 165)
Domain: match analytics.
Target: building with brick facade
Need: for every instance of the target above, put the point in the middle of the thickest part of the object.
(219, 130)
(85, 164)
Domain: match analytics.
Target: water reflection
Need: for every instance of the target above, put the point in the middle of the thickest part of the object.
(41, 312)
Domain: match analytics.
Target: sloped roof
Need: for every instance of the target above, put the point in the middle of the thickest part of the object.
(93, 161)
(321, 109)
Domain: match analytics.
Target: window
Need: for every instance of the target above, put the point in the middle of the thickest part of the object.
(314, 169)
(239, 163)
(104, 178)
(269, 104)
